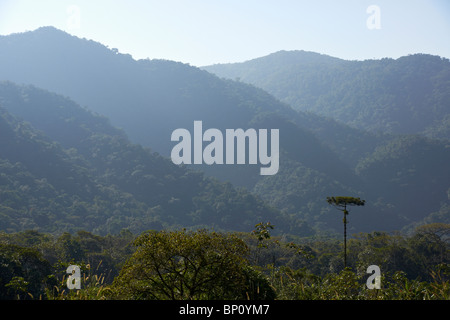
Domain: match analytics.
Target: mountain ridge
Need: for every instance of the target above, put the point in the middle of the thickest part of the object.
(101, 183)
(148, 99)
(368, 94)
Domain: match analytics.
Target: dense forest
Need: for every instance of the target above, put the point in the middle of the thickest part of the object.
(319, 156)
(203, 265)
(408, 95)
(86, 177)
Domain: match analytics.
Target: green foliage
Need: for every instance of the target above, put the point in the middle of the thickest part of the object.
(262, 232)
(24, 273)
(210, 265)
(182, 265)
(343, 202)
(95, 286)
(76, 190)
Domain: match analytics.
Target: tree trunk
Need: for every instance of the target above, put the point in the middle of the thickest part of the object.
(345, 237)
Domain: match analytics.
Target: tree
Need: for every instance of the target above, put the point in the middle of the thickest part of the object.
(24, 273)
(341, 204)
(430, 244)
(181, 265)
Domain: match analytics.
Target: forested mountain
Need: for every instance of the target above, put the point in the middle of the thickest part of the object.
(65, 169)
(149, 99)
(407, 95)
(86, 177)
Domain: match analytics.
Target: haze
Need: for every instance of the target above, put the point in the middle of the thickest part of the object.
(202, 32)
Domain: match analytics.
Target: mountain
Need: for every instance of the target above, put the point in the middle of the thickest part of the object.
(408, 95)
(162, 95)
(65, 169)
(407, 173)
(393, 102)
(149, 99)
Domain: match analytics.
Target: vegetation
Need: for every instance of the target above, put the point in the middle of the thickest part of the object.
(148, 99)
(76, 190)
(341, 203)
(100, 182)
(181, 264)
(184, 266)
(408, 95)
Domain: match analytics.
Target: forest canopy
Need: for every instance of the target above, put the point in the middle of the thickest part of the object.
(202, 264)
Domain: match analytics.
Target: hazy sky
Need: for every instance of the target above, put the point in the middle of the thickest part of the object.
(203, 32)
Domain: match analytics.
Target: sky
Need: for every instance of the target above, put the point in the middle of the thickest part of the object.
(205, 32)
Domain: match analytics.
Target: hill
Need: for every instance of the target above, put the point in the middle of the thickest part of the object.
(149, 99)
(394, 102)
(408, 95)
(66, 169)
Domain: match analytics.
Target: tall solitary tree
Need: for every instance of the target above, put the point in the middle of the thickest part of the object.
(341, 204)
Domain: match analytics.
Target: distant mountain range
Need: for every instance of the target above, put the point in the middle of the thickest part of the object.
(409, 95)
(109, 178)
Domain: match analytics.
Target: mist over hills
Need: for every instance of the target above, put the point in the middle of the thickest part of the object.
(66, 169)
(320, 154)
(407, 95)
